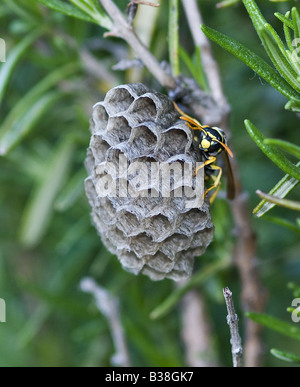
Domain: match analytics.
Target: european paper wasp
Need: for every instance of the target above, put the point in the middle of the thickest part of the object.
(211, 141)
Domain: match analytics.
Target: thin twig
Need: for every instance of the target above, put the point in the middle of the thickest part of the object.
(124, 30)
(109, 307)
(253, 295)
(213, 76)
(233, 322)
(90, 63)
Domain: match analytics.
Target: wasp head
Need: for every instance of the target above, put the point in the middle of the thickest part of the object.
(211, 140)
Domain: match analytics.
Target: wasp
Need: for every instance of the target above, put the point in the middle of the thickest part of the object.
(211, 141)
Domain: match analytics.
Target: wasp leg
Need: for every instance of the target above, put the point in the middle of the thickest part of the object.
(211, 160)
(214, 195)
(217, 182)
(217, 179)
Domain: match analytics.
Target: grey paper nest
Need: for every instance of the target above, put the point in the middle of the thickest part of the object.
(150, 234)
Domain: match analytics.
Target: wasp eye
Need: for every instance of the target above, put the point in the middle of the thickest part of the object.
(219, 134)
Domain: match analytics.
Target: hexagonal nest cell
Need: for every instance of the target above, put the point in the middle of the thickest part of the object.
(149, 233)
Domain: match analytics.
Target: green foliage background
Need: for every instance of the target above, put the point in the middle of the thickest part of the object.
(47, 243)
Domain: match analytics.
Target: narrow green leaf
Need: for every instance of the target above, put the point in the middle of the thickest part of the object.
(262, 27)
(27, 13)
(96, 4)
(290, 204)
(186, 58)
(195, 71)
(275, 324)
(71, 191)
(281, 190)
(254, 62)
(97, 7)
(268, 29)
(285, 19)
(32, 326)
(71, 237)
(55, 300)
(285, 145)
(164, 308)
(16, 53)
(201, 75)
(174, 37)
(20, 110)
(283, 223)
(288, 37)
(39, 209)
(285, 356)
(68, 273)
(295, 289)
(272, 152)
(23, 126)
(67, 9)
(272, 43)
(293, 105)
(87, 7)
(295, 62)
(256, 16)
(226, 3)
(287, 26)
(296, 22)
(279, 58)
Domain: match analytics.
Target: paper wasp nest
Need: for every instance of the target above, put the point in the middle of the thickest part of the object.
(151, 233)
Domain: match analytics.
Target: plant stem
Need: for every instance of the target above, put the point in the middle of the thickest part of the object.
(174, 37)
(109, 307)
(233, 322)
(124, 30)
(213, 76)
(197, 332)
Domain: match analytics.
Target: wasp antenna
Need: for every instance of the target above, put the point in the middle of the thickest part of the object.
(226, 147)
(178, 109)
(191, 121)
(187, 118)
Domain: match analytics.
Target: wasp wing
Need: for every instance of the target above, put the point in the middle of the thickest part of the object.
(230, 178)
